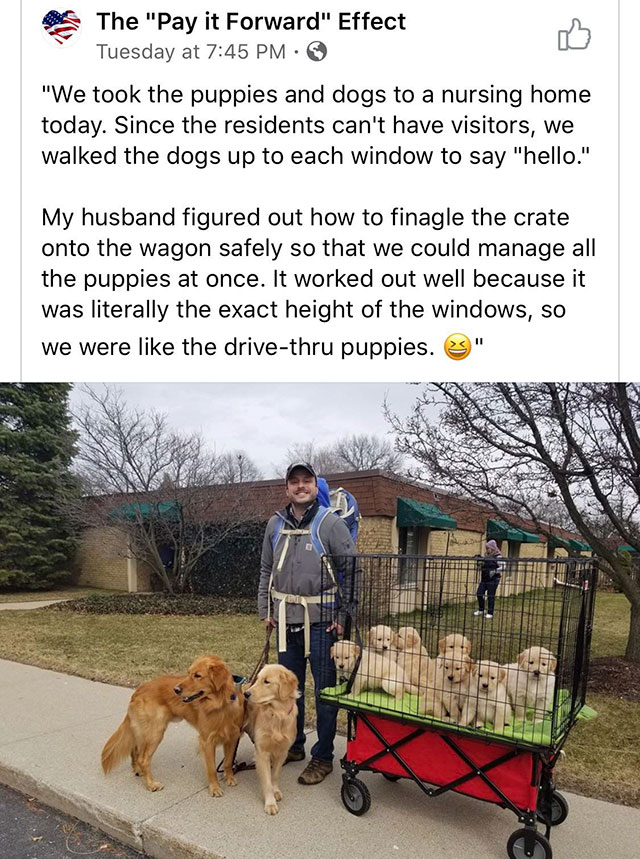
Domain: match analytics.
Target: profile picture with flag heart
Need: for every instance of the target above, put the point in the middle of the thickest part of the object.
(61, 29)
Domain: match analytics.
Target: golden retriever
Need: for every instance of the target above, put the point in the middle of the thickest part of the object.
(413, 657)
(530, 682)
(271, 723)
(408, 638)
(382, 638)
(450, 698)
(206, 698)
(489, 695)
(375, 671)
(451, 643)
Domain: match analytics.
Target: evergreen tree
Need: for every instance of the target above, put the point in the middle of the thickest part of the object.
(37, 444)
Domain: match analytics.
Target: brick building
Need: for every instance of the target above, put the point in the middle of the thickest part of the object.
(398, 517)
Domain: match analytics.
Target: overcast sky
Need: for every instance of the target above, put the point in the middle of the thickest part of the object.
(266, 419)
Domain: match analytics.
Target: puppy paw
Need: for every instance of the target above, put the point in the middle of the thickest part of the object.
(231, 780)
(271, 807)
(154, 785)
(215, 790)
(479, 724)
(278, 794)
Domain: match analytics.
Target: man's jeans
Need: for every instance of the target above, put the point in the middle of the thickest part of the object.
(324, 674)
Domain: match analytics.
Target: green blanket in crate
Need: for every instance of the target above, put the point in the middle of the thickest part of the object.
(538, 734)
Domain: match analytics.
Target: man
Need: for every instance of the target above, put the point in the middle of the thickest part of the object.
(291, 581)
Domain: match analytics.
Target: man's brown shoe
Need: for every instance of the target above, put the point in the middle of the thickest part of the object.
(294, 755)
(315, 771)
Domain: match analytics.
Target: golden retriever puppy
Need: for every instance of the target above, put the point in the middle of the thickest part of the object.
(375, 671)
(413, 658)
(451, 680)
(408, 638)
(530, 682)
(430, 700)
(489, 694)
(271, 723)
(206, 698)
(383, 639)
(451, 643)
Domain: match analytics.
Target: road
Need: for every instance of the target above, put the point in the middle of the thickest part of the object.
(31, 830)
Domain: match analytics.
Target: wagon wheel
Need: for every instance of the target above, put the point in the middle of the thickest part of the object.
(391, 777)
(559, 810)
(355, 796)
(516, 848)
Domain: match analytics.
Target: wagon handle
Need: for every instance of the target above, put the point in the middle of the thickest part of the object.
(583, 587)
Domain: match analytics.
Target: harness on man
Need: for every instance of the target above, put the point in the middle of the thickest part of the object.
(282, 531)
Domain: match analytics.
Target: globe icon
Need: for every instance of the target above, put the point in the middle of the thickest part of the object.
(316, 51)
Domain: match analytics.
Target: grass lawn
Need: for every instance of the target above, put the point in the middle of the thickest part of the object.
(127, 649)
(603, 755)
(66, 593)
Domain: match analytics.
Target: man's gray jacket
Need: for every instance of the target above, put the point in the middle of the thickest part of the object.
(301, 570)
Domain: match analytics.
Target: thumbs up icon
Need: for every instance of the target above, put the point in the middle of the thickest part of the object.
(575, 39)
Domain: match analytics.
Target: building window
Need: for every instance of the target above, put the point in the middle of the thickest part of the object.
(513, 550)
(408, 567)
(408, 541)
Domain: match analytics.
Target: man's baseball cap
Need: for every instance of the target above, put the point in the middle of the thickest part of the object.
(306, 465)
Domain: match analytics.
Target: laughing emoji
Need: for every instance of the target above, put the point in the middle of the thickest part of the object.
(457, 346)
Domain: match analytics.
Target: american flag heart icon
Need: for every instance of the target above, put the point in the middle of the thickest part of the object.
(61, 26)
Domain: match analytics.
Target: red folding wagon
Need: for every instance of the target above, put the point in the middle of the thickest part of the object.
(546, 603)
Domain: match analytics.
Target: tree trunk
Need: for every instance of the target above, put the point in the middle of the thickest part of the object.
(632, 653)
(622, 574)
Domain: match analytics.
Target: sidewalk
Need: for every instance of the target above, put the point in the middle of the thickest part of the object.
(27, 606)
(53, 727)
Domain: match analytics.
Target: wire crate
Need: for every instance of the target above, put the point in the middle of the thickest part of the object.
(452, 695)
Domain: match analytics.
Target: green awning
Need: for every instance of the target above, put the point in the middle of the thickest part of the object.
(417, 514)
(501, 531)
(579, 546)
(627, 548)
(146, 509)
(558, 542)
(497, 530)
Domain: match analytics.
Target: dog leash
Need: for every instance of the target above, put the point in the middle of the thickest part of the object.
(264, 658)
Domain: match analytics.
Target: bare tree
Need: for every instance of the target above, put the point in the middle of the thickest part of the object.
(509, 445)
(237, 467)
(365, 452)
(323, 459)
(156, 485)
(350, 453)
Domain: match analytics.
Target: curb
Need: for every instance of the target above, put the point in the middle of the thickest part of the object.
(141, 836)
(72, 804)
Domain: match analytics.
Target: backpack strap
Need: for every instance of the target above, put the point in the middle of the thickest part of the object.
(318, 545)
(276, 532)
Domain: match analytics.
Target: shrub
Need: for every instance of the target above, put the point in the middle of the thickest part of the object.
(232, 569)
(179, 604)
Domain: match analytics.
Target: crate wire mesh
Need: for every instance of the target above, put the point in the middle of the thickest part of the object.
(416, 648)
